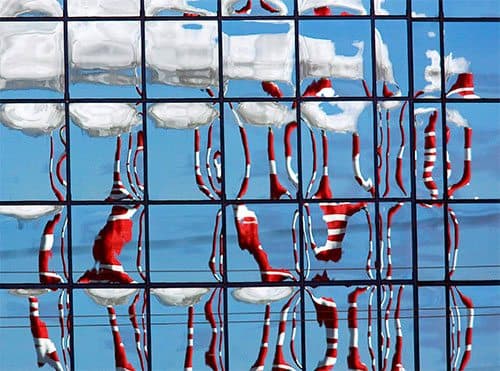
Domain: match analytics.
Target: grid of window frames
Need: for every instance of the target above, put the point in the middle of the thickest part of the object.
(208, 184)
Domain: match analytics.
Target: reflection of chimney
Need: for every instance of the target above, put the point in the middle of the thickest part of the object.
(47, 242)
(327, 315)
(336, 216)
(387, 93)
(322, 10)
(264, 343)
(45, 348)
(108, 246)
(354, 358)
(118, 191)
(320, 88)
(188, 360)
(210, 354)
(467, 302)
(464, 86)
(247, 228)
(246, 9)
(279, 362)
(121, 362)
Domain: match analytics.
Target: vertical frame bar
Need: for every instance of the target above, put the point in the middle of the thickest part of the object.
(67, 100)
(442, 98)
(299, 196)
(145, 202)
(413, 190)
(378, 227)
(223, 201)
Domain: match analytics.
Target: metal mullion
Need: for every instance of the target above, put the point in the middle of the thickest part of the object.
(145, 201)
(34, 19)
(376, 199)
(283, 201)
(33, 285)
(249, 201)
(223, 200)
(34, 202)
(67, 98)
(110, 18)
(460, 283)
(360, 199)
(299, 201)
(478, 19)
(358, 282)
(413, 191)
(470, 19)
(444, 184)
(459, 100)
(474, 201)
(347, 282)
(462, 201)
(352, 98)
(184, 202)
(246, 99)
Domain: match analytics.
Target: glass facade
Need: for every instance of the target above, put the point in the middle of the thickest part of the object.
(207, 184)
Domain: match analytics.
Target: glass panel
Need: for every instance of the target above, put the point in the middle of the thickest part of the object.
(464, 121)
(105, 59)
(33, 244)
(427, 123)
(257, 312)
(248, 62)
(104, 332)
(393, 149)
(340, 235)
(183, 241)
(425, 8)
(107, 243)
(425, 56)
(397, 233)
(402, 299)
(430, 243)
(113, 8)
(392, 58)
(471, 41)
(347, 132)
(187, 328)
(475, 226)
(179, 8)
(390, 7)
(262, 8)
(348, 61)
(267, 130)
(478, 8)
(479, 305)
(106, 148)
(175, 129)
(41, 73)
(182, 59)
(432, 325)
(260, 243)
(326, 7)
(357, 326)
(26, 320)
(37, 8)
(33, 134)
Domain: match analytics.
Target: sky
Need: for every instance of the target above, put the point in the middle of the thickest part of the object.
(181, 236)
